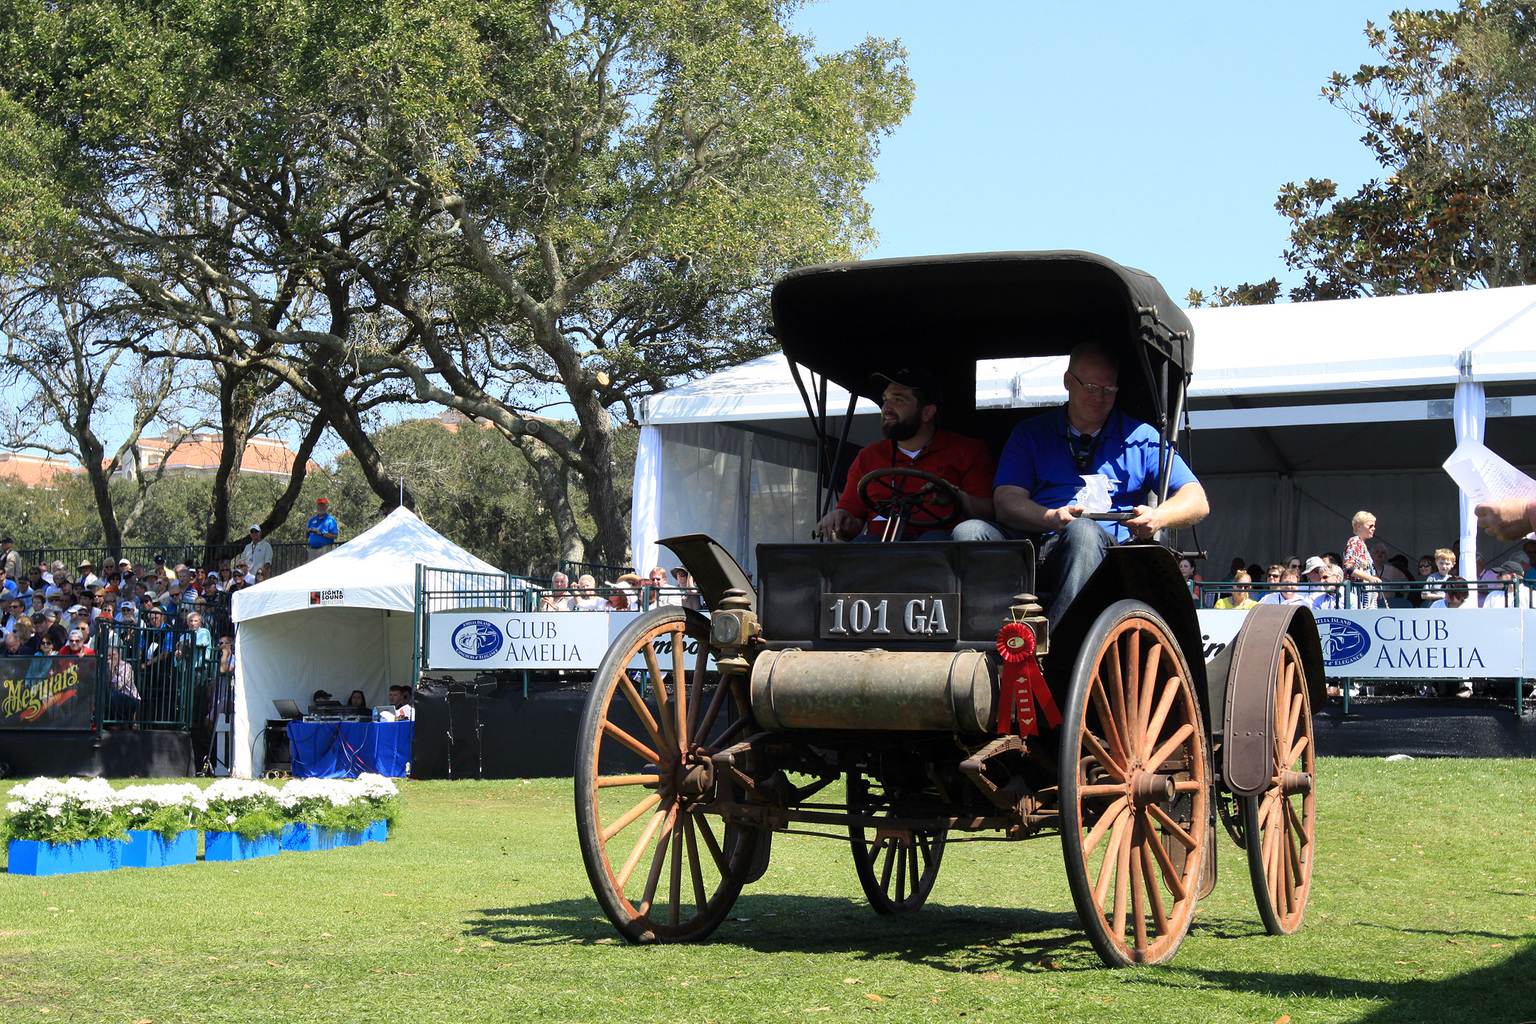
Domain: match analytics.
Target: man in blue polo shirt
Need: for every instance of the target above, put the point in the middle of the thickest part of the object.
(322, 530)
(1040, 486)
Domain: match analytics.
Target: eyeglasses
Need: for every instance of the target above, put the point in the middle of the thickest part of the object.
(1094, 390)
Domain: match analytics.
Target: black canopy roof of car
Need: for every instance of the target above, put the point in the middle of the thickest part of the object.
(846, 321)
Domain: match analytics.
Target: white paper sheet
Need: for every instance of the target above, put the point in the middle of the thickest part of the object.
(1484, 476)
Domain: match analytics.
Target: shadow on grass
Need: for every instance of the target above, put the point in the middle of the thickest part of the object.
(941, 937)
(1501, 993)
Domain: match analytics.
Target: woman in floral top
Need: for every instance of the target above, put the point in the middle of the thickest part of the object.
(1358, 565)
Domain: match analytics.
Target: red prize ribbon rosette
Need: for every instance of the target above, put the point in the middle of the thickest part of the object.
(1023, 684)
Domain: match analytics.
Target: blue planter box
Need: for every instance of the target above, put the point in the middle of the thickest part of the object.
(378, 832)
(152, 850)
(34, 857)
(331, 839)
(300, 838)
(230, 846)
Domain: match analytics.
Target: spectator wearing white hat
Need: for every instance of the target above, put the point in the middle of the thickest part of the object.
(258, 552)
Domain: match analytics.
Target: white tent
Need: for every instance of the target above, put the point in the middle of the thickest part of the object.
(343, 622)
(1302, 414)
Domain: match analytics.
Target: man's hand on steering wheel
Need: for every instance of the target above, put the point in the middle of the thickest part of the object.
(943, 508)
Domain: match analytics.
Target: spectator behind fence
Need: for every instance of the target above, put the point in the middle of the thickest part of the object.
(1455, 594)
(691, 599)
(1192, 579)
(1358, 566)
(1393, 570)
(1239, 599)
(123, 702)
(558, 597)
(1507, 574)
(661, 594)
(586, 596)
(1330, 593)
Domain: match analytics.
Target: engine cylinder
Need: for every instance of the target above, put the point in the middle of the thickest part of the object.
(905, 690)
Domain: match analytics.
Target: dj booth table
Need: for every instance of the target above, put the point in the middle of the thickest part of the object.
(344, 750)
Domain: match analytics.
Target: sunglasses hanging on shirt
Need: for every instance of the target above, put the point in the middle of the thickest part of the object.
(1082, 446)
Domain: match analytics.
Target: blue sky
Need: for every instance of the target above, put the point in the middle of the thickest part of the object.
(1156, 134)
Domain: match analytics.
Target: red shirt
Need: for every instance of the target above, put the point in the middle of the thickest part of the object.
(963, 461)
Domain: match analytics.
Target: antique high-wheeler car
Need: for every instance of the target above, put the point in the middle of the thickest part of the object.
(904, 696)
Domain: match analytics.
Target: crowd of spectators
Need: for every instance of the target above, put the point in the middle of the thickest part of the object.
(630, 592)
(156, 620)
(1377, 578)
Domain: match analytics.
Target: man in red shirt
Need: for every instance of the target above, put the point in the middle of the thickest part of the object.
(909, 414)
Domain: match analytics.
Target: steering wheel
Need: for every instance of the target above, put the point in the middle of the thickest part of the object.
(938, 515)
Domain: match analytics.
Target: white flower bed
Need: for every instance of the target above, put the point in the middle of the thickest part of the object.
(77, 809)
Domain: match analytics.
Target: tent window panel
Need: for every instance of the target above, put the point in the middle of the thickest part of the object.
(700, 493)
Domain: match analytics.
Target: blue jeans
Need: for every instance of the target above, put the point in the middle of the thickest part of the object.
(1071, 555)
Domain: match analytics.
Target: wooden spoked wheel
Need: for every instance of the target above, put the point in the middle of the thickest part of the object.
(1281, 823)
(897, 867)
(664, 863)
(1135, 788)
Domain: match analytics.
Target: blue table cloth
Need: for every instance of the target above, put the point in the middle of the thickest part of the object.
(344, 750)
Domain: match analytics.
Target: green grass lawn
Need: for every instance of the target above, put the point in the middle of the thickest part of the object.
(477, 909)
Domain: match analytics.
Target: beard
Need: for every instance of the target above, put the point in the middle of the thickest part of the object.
(902, 428)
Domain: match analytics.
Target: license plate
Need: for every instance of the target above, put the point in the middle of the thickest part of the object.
(890, 616)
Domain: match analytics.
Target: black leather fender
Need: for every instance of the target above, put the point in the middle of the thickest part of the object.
(1247, 750)
(713, 569)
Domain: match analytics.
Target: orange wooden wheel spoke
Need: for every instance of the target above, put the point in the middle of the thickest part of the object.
(696, 697)
(1098, 792)
(637, 703)
(1174, 828)
(623, 821)
(1123, 880)
(1107, 869)
(1106, 821)
(1171, 877)
(1162, 753)
(1133, 683)
(722, 690)
(1149, 690)
(715, 851)
(658, 861)
(1188, 785)
(695, 868)
(679, 684)
(633, 744)
(1116, 687)
(1160, 716)
(622, 878)
(1113, 728)
(1116, 769)
(1297, 751)
(610, 781)
(1138, 898)
(663, 703)
(1149, 874)
(675, 889)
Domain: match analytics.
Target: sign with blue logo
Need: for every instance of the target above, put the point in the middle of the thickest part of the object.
(1406, 643)
(535, 640)
(1344, 641)
(476, 639)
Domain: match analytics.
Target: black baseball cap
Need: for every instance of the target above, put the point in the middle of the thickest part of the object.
(908, 377)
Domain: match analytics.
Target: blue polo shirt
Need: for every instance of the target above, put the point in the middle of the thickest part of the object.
(1038, 458)
(325, 523)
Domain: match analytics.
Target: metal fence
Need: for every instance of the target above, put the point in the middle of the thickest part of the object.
(164, 678)
(1516, 593)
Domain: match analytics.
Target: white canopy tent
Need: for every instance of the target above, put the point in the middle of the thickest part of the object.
(345, 621)
(1302, 414)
